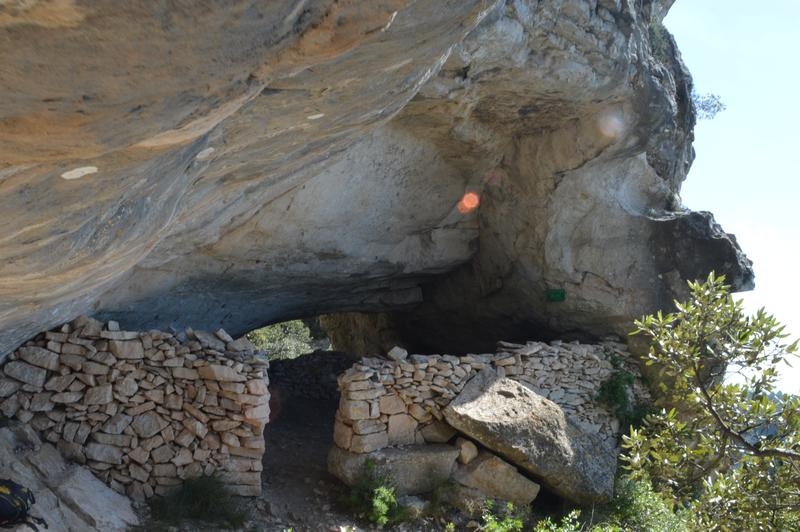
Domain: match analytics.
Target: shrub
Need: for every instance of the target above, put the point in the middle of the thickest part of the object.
(509, 521)
(204, 499)
(373, 498)
(636, 506)
(617, 394)
(659, 41)
(568, 523)
(288, 339)
(384, 505)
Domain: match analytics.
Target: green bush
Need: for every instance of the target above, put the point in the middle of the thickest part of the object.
(509, 521)
(636, 506)
(204, 499)
(617, 394)
(568, 523)
(384, 505)
(288, 339)
(373, 498)
(659, 41)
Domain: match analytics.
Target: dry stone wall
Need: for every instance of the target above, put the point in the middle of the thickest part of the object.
(400, 401)
(144, 410)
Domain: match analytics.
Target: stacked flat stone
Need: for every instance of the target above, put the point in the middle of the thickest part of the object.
(142, 409)
(399, 401)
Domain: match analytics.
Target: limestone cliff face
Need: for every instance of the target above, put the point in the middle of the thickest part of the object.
(230, 166)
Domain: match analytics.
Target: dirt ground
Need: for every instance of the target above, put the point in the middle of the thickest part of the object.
(298, 492)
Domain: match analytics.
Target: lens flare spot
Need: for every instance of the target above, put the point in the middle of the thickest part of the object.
(469, 202)
(611, 124)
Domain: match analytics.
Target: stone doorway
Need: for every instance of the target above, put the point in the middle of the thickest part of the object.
(298, 491)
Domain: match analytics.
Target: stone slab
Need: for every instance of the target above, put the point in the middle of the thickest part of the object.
(413, 469)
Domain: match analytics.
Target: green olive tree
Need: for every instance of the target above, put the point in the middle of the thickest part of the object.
(730, 453)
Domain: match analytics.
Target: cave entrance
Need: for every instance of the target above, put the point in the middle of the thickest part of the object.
(304, 396)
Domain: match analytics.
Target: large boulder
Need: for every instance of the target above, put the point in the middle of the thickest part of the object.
(533, 433)
(411, 470)
(233, 164)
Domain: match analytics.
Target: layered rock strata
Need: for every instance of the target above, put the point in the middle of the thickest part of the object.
(458, 157)
(144, 410)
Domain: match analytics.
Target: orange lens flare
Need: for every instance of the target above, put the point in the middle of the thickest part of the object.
(469, 202)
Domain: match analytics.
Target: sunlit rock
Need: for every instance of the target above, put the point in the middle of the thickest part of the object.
(242, 164)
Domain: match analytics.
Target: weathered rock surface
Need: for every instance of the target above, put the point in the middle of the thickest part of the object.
(533, 433)
(498, 479)
(314, 156)
(467, 451)
(68, 496)
(437, 432)
(413, 469)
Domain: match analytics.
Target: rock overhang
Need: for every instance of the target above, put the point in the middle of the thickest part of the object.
(312, 160)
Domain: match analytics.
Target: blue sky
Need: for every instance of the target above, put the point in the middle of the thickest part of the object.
(746, 170)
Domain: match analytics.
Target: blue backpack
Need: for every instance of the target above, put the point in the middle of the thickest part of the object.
(15, 503)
